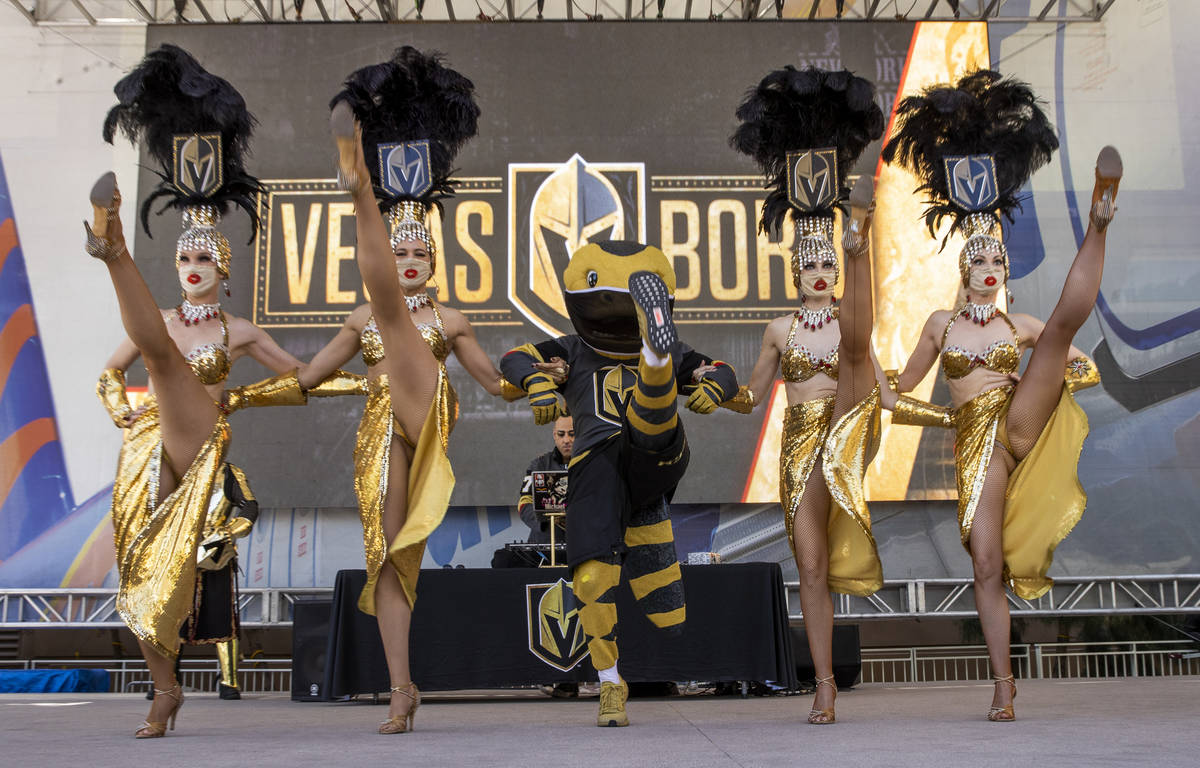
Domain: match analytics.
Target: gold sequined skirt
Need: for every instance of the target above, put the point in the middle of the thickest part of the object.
(430, 482)
(156, 541)
(805, 426)
(854, 566)
(1043, 499)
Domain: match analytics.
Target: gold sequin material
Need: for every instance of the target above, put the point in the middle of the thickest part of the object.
(210, 362)
(430, 482)
(854, 566)
(111, 391)
(371, 342)
(798, 364)
(283, 389)
(999, 356)
(805, 426)
(1043, 499)
(156, 541)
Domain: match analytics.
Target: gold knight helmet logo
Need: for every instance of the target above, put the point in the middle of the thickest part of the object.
(198, 166)
(812, 178)
(569, 205)
(555, 630)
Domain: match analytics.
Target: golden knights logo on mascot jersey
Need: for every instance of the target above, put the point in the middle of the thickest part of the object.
(555, 632)
(554, 209)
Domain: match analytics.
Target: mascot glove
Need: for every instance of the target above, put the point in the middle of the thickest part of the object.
(706, 397)
(544, 399)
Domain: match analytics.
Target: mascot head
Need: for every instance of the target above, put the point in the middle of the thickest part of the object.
(596, 290)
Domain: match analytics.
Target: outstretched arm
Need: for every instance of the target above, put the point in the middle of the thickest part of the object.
(925, 354)
(259, 345)
(471, 354)
(340, 349)
(767, 365)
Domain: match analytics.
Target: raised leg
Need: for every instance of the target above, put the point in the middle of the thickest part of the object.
(186, 409)
(987, 560)
(856, 371)
(410, 365)
(1039, 390)
(811, 541)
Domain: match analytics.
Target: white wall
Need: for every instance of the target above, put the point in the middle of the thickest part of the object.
(56, 89)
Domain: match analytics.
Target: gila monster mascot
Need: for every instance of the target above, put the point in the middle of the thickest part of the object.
(624, 363)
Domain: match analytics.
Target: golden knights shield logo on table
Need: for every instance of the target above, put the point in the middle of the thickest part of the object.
(555, 631)
(198, 168)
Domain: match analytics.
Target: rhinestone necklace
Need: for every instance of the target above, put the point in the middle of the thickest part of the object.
(194, 314)
(979, 313)
(416, 302)
(817, 318)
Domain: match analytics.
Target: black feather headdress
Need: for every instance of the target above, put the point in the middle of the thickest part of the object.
(983, 114)
(168, 95)
(810, 108)
(412, 97)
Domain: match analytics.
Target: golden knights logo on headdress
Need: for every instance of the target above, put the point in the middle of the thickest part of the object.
(972, 181)
(197, 169)
(812, 178)
(554, 209)
(404, 168)
(555, 631)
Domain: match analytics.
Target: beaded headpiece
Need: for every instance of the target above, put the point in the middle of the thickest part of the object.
(406, 220)
(806, 129)
(196, 127)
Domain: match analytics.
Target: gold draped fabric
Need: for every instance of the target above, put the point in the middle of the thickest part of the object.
(156, 541)
(1043, 500)
(854, 566)
(430, 482)
(805, 426)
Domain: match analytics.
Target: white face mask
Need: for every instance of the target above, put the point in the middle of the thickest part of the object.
(197, 279)
(413, 273)
(810, 279)
(978, 278)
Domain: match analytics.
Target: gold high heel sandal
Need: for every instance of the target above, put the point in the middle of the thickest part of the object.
(1109, 170)
(1003, 714)
(106, 201)
(403, 723)
(156, 730)
(346, 135)
(823, 716)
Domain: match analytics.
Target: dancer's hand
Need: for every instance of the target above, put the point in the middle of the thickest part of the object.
(556, 368)
(133, 415)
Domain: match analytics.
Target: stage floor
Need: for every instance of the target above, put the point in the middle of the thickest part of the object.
(1062, 723)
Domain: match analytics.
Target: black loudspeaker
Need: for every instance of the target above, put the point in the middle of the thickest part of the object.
(847, 658)
(310, 645)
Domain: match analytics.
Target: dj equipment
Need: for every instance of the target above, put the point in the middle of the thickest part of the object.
(310, 641)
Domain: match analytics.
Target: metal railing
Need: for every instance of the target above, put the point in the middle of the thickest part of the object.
(257, 675)
(950, 663)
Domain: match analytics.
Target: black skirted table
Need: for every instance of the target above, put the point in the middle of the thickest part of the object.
(520, 626)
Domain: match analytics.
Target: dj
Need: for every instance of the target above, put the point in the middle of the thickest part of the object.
(556, 459)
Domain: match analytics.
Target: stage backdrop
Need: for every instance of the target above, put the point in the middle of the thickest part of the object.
(600, 130)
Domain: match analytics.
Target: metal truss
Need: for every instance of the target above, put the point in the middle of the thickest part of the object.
(955, 598)
(917, 598)
(136, 12)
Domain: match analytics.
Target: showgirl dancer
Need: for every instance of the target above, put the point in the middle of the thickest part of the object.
(415, 112)
(806, 129)
(196, 127)
(973, 145)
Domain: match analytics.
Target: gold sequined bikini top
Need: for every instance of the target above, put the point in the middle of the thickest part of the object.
(800, 364)
(371, 342)
(1000, 356)
(210, 362)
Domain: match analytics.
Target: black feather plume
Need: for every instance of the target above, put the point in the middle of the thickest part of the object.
(410, 97)
(809, 108)
(982, 114)
(169, 93)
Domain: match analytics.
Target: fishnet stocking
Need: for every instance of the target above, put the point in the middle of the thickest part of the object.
(811, 540)
(987, 559)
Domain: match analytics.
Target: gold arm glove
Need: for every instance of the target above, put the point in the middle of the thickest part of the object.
(340, 383)
(1081, 374)
(509, 391)
(743, 402)
(918, 413)
(283, 389)
(111, 391)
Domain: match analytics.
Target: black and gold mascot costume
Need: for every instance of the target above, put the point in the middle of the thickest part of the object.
(624, 365)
